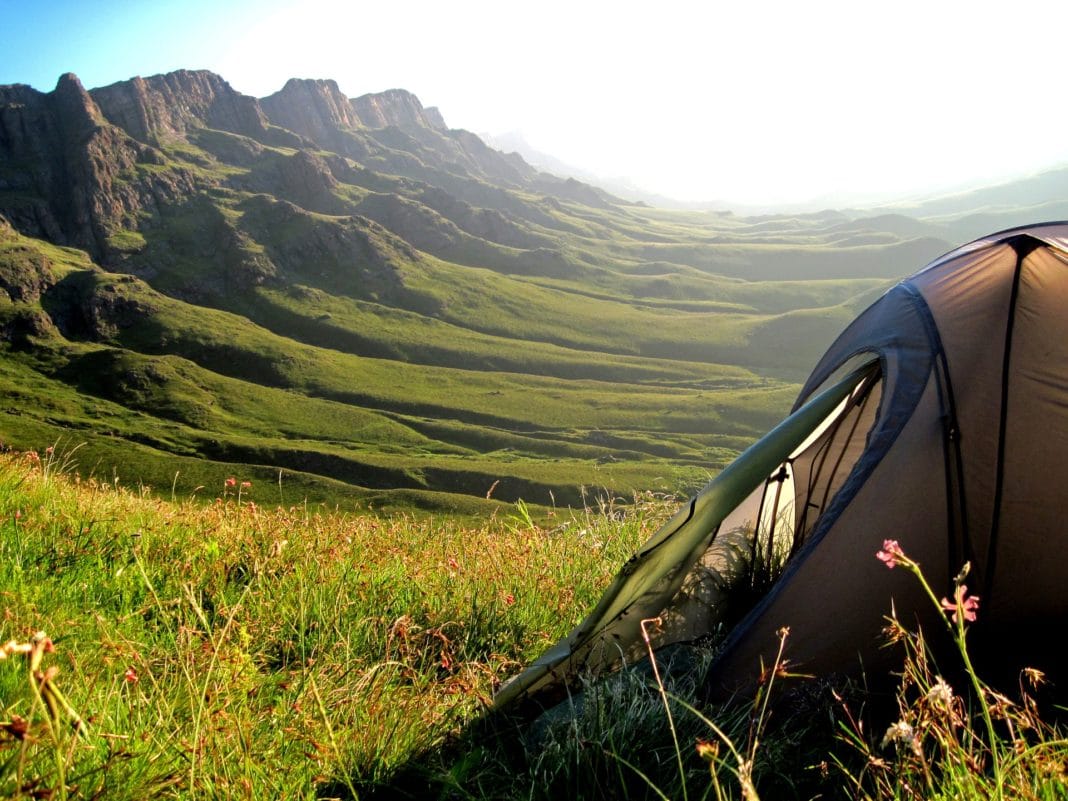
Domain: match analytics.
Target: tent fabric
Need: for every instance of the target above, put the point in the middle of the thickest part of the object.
(611, 635)
(938, 418)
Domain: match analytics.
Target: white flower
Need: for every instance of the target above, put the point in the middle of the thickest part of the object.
(940, 693)
(901, 732)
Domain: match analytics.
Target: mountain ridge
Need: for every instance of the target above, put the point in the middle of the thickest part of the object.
(352, 293)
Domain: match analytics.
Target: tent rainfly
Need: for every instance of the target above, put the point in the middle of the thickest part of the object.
(939, 418)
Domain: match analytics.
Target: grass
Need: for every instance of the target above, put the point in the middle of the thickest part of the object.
(242, 650)
(398, 327)
(441, 408)
(970, 742)
(246, 649)
(127, 242)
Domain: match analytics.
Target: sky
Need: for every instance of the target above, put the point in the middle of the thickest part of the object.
(745, 101)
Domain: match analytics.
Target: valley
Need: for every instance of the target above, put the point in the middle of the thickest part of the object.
(343, 301)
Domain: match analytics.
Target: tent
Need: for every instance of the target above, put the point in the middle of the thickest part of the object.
(938, 418)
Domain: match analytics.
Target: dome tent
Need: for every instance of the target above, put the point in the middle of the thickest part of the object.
(938, 418)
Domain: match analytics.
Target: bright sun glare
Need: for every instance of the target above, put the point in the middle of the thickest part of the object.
(764, 102)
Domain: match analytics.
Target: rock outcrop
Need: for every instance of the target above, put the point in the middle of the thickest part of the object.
(307, 180)
(315, 109)
(395, 107)
(71, 170)
(154, 109)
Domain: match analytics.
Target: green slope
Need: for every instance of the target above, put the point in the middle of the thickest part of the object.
(374, 309)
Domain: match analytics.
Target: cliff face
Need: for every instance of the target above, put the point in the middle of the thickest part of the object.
(316, 109)
(88, 169)
(153, 109)
(395, 107)
(65, 164)
(312, 108)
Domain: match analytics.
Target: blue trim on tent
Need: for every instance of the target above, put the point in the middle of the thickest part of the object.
(904, 380)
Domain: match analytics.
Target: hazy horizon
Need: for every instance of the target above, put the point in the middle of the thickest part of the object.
(774, 103)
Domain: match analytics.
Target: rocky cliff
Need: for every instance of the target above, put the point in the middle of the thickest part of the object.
(152, 109)
(314, 109)
(66, 169)
(100, 169)
(395, 107)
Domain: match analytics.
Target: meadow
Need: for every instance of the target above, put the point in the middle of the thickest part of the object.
(416, 382)
(244, 649)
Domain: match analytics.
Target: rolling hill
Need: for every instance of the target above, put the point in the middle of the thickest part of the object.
(346, 301)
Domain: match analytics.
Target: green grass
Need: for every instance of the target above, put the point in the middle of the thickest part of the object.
(127, 242)
(275, 649)
(400, 314)
(355, 397)
(257, 650)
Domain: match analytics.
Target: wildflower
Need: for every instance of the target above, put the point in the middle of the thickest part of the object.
(509, 599)
(453, 564)
(246, 484)
(962, 604)
(891, 554)
(130, 676)
(231, 482)
(940, 693)
(901, 732)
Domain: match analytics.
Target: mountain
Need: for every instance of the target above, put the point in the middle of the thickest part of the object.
(515, 142)
(346, 300)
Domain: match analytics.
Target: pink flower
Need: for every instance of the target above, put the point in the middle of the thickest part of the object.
(231, 482)
(964, 605)
(891, 554)
(246, 484)
(130, 676)
(509, 599)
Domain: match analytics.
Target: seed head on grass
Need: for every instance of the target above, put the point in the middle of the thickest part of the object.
(940, 693)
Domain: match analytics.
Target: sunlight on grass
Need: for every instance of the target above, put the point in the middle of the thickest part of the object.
(239, 651)
(158, 648)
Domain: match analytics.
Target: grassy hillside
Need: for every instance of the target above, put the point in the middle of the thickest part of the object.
(202, 646)
(370, 367)
(352, 299)
(251, 649)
